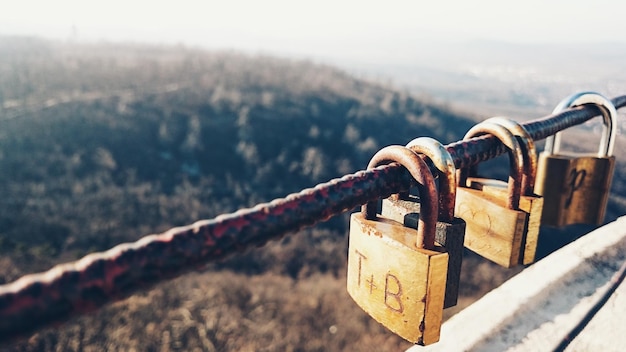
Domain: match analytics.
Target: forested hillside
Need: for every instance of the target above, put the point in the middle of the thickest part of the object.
(103, 144)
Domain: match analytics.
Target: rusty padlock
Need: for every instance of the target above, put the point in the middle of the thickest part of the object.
(529, 201)
(495, 224)
(450, 232)
(396, 273)
(575, 186)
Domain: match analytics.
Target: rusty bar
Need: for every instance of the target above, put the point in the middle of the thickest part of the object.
(37, 300)
(82, 286)
(420, 172)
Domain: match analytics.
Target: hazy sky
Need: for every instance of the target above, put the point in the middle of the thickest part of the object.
(321, 27)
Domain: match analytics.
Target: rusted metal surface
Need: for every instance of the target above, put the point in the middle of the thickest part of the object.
(442, 160)
(426, 185)
(530, 152)
(37, 300)
(450, 231)
(472, 152)
(609, 120)
(82, 286)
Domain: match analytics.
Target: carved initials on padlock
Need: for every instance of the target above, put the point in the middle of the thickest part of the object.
(450, 232)
(576, 179)
(395, 273)
(575, 186)
(392, 290)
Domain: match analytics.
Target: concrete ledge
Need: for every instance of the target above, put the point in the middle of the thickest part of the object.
(537, 308)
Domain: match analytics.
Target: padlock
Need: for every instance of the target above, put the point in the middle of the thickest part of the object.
(495, 225)
(575, 186)
(396, 273)
(450, 232)
(529, 201)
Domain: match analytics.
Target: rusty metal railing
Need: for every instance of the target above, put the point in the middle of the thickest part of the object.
(37, 300)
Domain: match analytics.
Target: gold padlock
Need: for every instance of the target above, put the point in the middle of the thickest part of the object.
(396, 273)
(495, 224)
(450, 232)
(575, 186)
(529, 201)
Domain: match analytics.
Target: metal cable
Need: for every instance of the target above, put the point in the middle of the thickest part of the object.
(37, 300)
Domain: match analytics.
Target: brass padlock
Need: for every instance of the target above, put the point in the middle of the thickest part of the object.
(529, 201)
(495, 224)
(396, 273)
(450, 232)
(575, 186)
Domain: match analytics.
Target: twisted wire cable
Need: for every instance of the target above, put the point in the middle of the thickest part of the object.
(37, 300)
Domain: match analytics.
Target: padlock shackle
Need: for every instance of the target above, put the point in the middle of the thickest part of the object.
(444, 163)
(516, 159)
(609, 121)
(530, 152)
(425, 184)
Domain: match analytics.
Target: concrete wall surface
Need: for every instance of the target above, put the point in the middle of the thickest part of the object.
(538, 308)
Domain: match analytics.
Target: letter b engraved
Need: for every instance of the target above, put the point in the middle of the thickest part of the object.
(393, 293)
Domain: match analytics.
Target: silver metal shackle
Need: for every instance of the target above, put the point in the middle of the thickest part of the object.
(609, 120)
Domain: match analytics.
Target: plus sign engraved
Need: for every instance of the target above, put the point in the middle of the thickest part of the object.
(371, 283)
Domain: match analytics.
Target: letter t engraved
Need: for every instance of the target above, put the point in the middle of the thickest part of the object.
(393, 296)
(361, 257)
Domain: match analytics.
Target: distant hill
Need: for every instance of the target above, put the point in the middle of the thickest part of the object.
(105, 143)
(520, 80)
(92, 128)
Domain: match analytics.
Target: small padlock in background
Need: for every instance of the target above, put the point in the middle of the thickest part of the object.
(450, 232)
(495, 224)
(575, 186)
(395, 273)
(529, 201)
